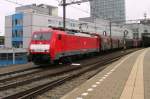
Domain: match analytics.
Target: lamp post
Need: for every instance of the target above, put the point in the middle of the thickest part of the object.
(125, 33)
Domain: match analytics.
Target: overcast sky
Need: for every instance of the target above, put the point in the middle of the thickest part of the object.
(135, 9)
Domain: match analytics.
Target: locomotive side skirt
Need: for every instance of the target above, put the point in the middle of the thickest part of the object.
(75, 52)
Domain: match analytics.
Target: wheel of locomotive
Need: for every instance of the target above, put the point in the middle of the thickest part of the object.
(65, 60)
(56, 62)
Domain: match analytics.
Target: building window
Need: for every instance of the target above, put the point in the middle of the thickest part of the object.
(17, 33)
(17, 22)
(135, 35)
(145, 31)
(136, 30)
(59, 23)
(17, 44)
(17, 19)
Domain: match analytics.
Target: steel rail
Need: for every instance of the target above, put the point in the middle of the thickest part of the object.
(49, 85)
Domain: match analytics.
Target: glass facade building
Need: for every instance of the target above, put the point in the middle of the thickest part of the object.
(108, 9)
(17, 30)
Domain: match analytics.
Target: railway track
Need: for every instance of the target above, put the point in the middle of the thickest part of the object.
(8, 79)
(38, 83)
(16, 72)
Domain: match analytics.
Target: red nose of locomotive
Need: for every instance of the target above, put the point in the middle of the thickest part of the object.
(40, 42)
(39, 47)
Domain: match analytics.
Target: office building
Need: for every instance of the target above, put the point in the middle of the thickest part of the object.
(113, 10)
(19, 26)
(27, 19)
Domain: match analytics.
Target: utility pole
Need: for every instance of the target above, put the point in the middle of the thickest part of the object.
(64, 14)
(64, 4)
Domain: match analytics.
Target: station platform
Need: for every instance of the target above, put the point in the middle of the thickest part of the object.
(127, 78)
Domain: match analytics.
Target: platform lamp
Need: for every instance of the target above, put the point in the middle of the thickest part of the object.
(125, 33)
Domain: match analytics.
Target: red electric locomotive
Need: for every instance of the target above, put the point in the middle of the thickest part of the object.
(51, 45)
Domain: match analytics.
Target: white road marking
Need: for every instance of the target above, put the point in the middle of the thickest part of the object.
(84, 94)
(112, 70)
(94, 86)
(79, 98)
(105, 75)
(90, 89)
(109, 72)
(101, 80)
(97, 82)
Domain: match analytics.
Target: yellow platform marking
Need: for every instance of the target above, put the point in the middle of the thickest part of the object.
(134, 88)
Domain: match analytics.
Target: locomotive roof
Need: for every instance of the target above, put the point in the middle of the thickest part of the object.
(70, 32)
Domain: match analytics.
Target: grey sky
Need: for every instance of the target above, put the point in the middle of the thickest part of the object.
(135, 9)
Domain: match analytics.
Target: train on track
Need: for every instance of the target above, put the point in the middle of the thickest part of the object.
(146, 39)
(55, 45)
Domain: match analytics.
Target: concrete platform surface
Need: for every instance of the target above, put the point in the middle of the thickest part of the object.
(127, 78)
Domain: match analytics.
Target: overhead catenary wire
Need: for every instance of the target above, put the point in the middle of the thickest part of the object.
(21, 4)
(65, 4)
(15, 2)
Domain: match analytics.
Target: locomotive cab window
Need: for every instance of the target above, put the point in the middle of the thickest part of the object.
(59, 36)
(41, 36)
